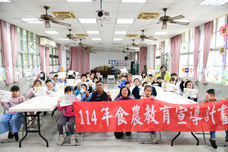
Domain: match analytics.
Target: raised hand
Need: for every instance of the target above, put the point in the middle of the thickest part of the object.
(109, 94)
(1, 102)
(87, 93)
(58, 101)
(206, 96)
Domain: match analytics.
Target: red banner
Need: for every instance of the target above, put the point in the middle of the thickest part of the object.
(150, 115)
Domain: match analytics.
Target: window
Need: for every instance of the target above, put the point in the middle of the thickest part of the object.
(158, 57)
(67, 59)
(215, 65)
(28, 61)
(53, 60)
(186, 63)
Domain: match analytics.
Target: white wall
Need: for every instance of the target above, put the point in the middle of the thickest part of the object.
(63, 56)
(101, 59)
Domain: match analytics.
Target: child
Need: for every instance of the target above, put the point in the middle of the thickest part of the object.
(172, 81)
(129, 78)
(88, 75)
(135, 91)
(210, 97)
(56, 80)
(154, 91)
(68, 117)
(150, 79)
(31, 95)
(49, 86)
(148, 94)
(41, 77)
(12, 121)
(122, 81)
(158, 82)
(144, 77)
(81, 90)
(189, 85)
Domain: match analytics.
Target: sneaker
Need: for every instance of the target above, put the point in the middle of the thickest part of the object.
(152, 137)
(16, 136)
(72, 140)
(213, 143)
(61, 140)
(10, 136)
(155, 135)
(128, 133)
(226, 140)
(45, 113)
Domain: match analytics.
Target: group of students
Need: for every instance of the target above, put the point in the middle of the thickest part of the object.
(85, 91)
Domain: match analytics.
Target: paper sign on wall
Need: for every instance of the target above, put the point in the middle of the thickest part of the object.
(224, 77)
(223, 30)
(40, 91)
(66, 100)
(190, 93)
(5, 95)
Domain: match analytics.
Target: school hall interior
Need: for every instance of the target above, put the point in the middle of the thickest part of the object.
(111, 40)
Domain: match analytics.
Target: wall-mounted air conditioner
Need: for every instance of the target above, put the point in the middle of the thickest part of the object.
(47, 43)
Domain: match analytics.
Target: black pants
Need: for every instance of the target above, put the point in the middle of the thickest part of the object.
(119, 135)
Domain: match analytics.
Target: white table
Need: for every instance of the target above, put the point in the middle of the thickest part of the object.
(39, 104)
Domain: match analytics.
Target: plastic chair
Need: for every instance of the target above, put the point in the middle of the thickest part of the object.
(111, 79)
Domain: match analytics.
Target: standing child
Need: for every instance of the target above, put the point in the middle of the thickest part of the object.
(68, 117)
(12, 121)
(210, 97)
(148, 93)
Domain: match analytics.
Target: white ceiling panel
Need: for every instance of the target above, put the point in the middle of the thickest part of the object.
(84, 14)
(155, 7)
(125, 7)
(107, 7)
(32, 7)
(201, 9)
(82, 7)
(57, 6)
(127, 14)
(10, 7)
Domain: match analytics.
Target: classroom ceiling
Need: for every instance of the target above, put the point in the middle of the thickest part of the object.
(13, 11)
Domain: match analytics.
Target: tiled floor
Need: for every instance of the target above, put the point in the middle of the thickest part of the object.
(99, 142)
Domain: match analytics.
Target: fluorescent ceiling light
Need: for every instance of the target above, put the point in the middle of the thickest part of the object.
(5, 1)
(160, 33)
(79, 0)
(120, 32)
(63, 39)
(51, 32)
(133, 1)
(87, 20)
(213, 2)
(182, 20)
(92, 32)
(34, 22)
(29, 19)
(117, 39)
(125, 21)
(96, 39)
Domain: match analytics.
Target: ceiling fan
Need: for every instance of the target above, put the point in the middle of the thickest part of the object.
(143, 37)
(81, 44)
(131, 49)
(133, 44)
(122, 51)
(71, 36)
(48, 18)
(92, 51)
(167, 19)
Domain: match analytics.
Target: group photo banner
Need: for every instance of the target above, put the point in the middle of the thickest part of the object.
(150, 115)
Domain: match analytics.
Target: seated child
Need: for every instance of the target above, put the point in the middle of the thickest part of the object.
(210, 97)
(188, 84)
(150, 79)
(148, 93)
(172, 81)
(55, 80)
(135, 91)
(158, 82)
(12, 121)
(122, 81)
(80, 91)
(68, 117)
(31, 94)
(49, 86)
(83, 80)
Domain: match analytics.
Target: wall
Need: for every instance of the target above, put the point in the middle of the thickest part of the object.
(150, 56)
(63, 57)
(101, 59)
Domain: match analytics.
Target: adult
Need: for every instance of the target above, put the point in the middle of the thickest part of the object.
(99, 94)
(83, 80)
(163, 74)
(97, 77)
(125, 93)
